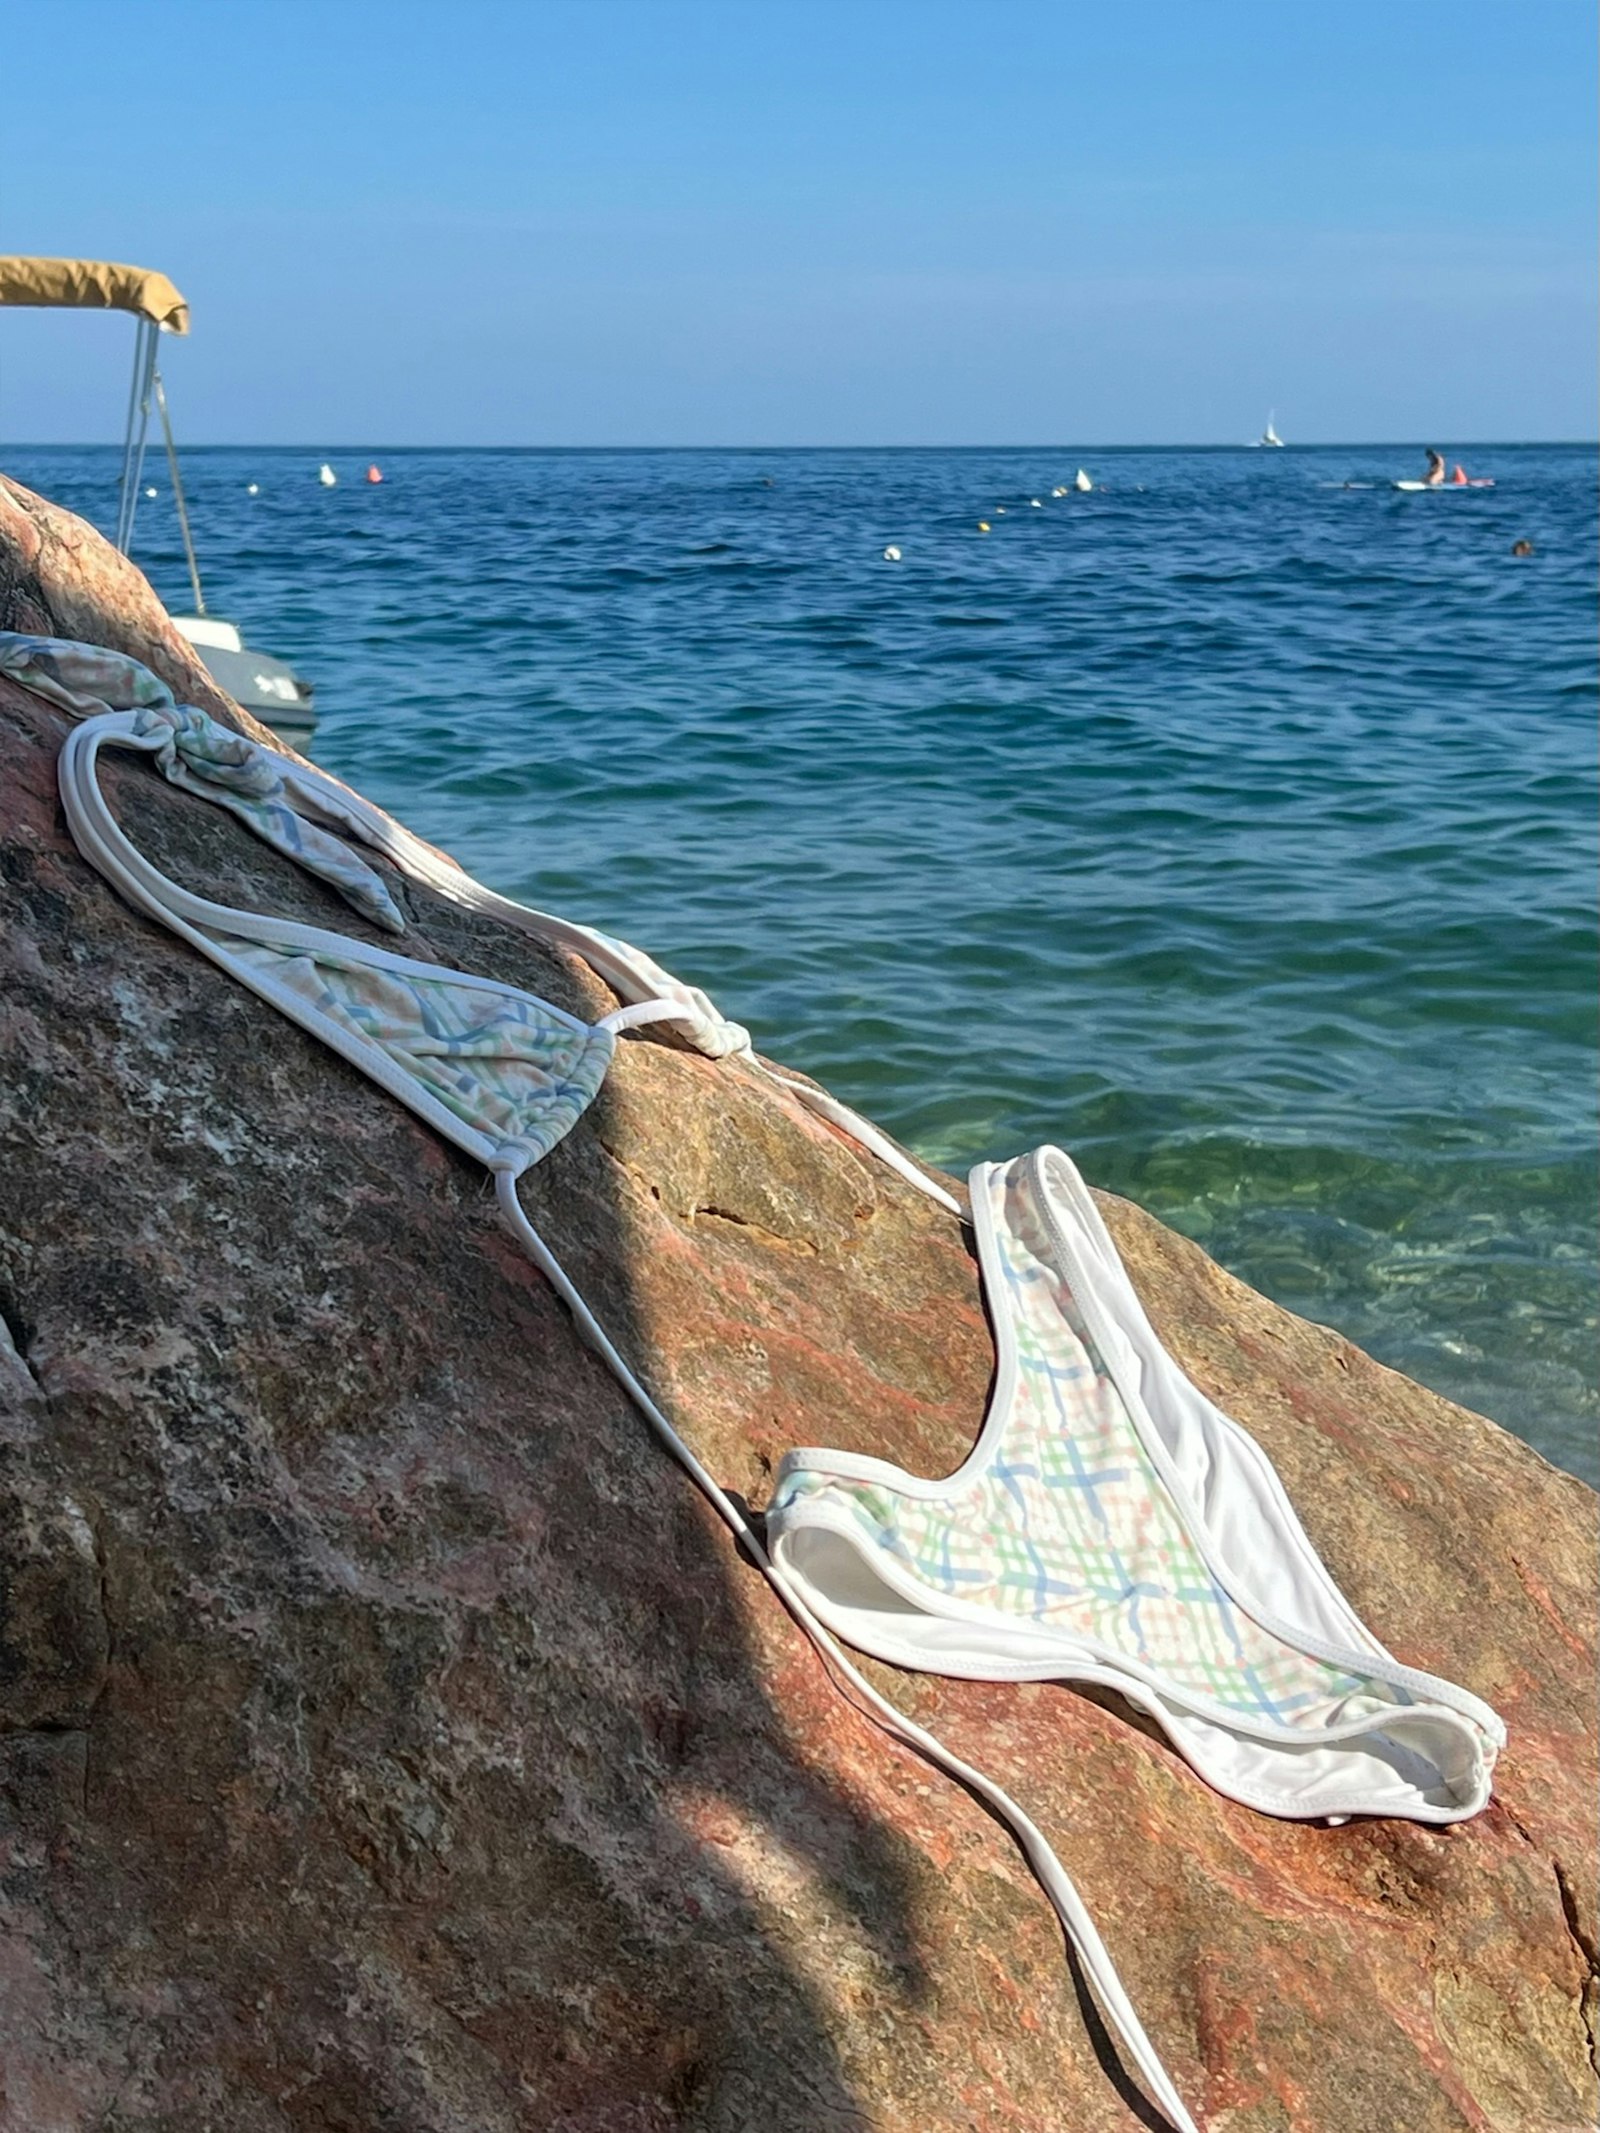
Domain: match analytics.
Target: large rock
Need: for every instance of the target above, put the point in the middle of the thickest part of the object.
(391, 1740)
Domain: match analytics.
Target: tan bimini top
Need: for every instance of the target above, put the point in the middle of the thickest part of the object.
(93, 285)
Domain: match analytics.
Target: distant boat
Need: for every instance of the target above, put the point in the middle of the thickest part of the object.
(1082, 483)
(327, 476)
(1269, 435)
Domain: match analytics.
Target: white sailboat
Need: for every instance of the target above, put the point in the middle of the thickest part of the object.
(1269, 435)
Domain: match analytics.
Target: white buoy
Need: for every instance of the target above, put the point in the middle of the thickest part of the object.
(1034, 501)
(253, 489)
(327, 476)
(1059, 490)
(1082, 483)
(149, 492)
(891, 555)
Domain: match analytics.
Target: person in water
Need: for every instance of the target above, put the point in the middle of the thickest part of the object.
(1522, 547)
(1434, 478)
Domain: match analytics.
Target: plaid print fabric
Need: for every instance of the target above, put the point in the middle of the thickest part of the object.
(309, 819)
(201, 755)
(512, 1068)
(1068, 1523)
(498, 1059)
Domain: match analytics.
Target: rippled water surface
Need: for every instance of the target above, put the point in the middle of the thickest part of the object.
(1231, 826)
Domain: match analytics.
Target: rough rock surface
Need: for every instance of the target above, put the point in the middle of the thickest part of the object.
(390, 1740)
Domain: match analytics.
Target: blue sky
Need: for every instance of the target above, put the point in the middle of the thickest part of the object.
(804, 222)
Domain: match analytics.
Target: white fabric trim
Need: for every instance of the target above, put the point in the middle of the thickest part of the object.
(102, 842)
(1429, 1759)
(1047, 1868)
(192, 917)
(862, 1130)
(1225, 1489)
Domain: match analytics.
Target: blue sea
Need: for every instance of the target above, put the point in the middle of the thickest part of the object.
(1232, 826)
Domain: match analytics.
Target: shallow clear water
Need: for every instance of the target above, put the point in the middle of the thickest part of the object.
(1232, 827)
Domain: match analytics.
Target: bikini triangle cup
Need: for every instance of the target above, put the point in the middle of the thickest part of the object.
(1110, 1525)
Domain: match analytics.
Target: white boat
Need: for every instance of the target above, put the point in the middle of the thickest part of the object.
(1269, 435)
(266, 687)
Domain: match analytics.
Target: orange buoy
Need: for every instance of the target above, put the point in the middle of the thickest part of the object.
(374, 474)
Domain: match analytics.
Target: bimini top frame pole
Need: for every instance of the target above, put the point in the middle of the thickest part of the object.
(178, 496)
(104, 285)
(136, 431)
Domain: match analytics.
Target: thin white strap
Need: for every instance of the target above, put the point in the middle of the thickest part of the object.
(862, 1130)
(103, 842)
(643, 1011)
(611, 960)
(1047, 1868)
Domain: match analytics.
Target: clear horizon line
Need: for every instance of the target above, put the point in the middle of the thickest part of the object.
(1309, 444)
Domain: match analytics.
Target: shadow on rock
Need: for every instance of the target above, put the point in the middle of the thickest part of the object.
(406, 1763)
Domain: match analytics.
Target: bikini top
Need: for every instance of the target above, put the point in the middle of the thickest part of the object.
(1110, 1525)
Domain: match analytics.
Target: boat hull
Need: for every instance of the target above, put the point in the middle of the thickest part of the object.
(269, 689)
